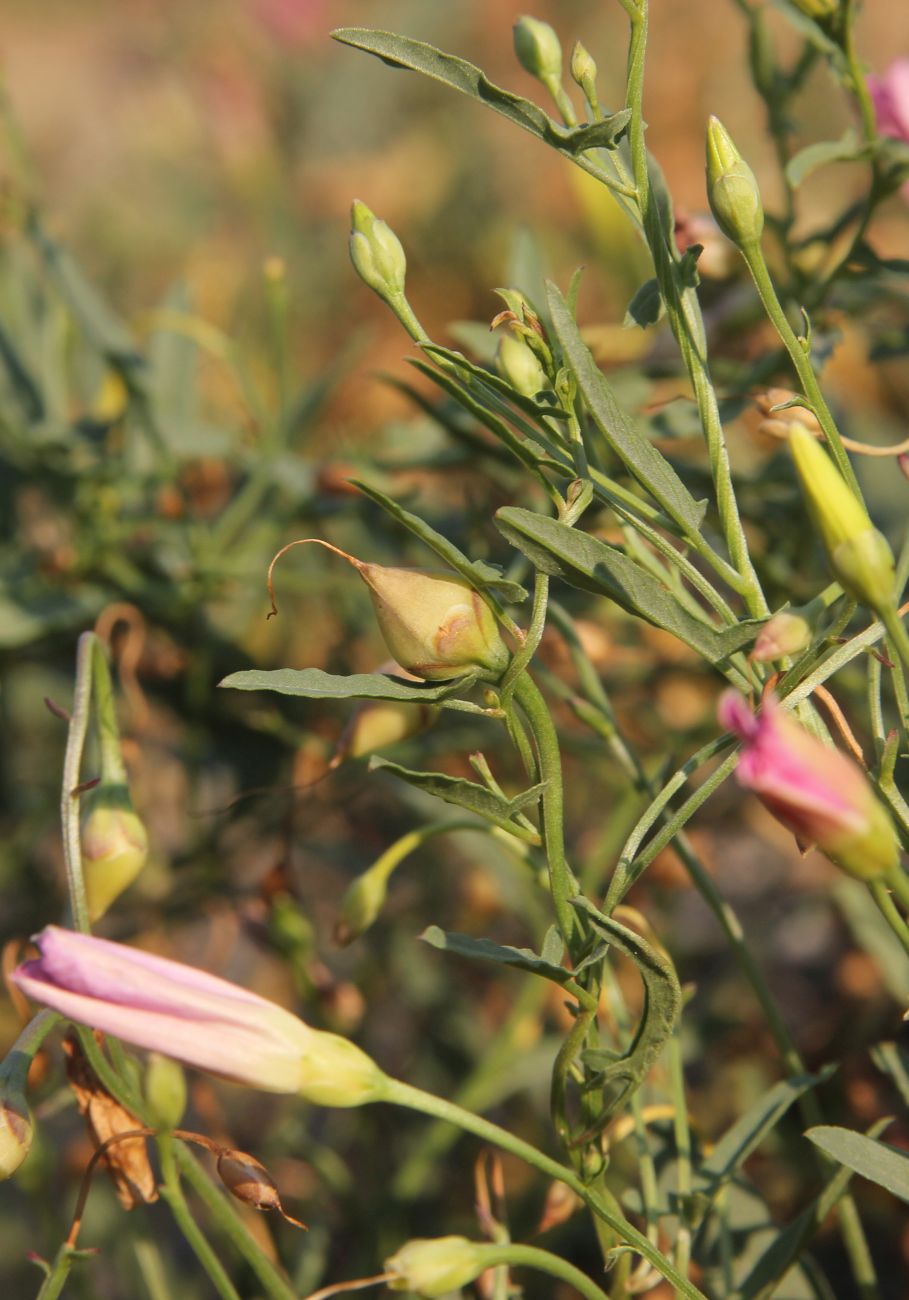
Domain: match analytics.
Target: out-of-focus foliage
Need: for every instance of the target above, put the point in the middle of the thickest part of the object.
(187, 382)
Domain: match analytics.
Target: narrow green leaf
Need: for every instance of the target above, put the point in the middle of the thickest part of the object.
(877, 1161)
(646, 307)
(662, 1004)
(470, 795)
(636, 452)
(848, 148)
(586, 562)
(785, 1249)
(746, 1134)
(465, 945)
(892, 1059)
(416, 56)
(485, 577)
(314, 684)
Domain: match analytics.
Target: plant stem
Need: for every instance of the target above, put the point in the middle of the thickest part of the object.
(754, 259)
(69, 799)
(172, 1192)
(890, 913)
(561, 881)
(274, 1285)
(684, 313)
(55, 1280)
(544, 1261)
(398, 1093)
(683, 1152)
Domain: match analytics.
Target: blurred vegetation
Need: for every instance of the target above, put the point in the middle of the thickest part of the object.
(187, 381)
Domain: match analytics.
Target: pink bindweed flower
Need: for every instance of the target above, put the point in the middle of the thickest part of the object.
(819, 793)
(890, 94)
(195, 1017)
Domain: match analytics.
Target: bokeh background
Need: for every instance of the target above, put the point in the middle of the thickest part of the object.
(199, 158)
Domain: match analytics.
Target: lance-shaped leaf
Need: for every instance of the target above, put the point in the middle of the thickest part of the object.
(475, 798)
(637, 453)
(314, 684)
(763, 1279)
(746, 1134)
(593, 565)
(417, 56)
(465, 945)
(485, 577)
(877, 1161)
(662, 1005)
(847, 149)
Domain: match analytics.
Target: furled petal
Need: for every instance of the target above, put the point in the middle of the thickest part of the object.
(819, 793)
(167, 1007)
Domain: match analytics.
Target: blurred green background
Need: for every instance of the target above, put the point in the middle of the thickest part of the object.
(198, 161)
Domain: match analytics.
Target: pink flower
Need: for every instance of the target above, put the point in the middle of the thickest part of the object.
(197, 1018)
(890, 94)
(822, 796)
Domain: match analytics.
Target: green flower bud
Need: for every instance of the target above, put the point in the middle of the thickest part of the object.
(435, 625)
(786, 633)
(376, 253)
(338, 1073)
(518, 365)
(859, 556)
(15, 1118)
(165, 1091)
(584, 70)
(735, 199)
(538, 50)
(434, 1267)
(363, 900)
(114, 846)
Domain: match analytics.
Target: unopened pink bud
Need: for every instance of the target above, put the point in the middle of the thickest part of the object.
(196, 1018)
(816, 791)
(786, 633)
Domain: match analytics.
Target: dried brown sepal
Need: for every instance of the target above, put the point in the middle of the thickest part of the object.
(249, 1181)
(126, 1161)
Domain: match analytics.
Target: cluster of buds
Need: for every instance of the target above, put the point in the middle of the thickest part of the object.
(206, 1022)
(816, 791)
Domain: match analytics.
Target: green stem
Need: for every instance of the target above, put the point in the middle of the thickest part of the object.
(172, 1193)
(561, 881)
(55, 1280)
(896, 630)
(398, 1093)
(684, 313)
(683, 1153)
(890, 912)
(801, 362)
(544, 1261)
(273, 1284)
(72, 764)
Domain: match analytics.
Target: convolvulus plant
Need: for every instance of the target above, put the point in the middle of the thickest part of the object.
(600, 503)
